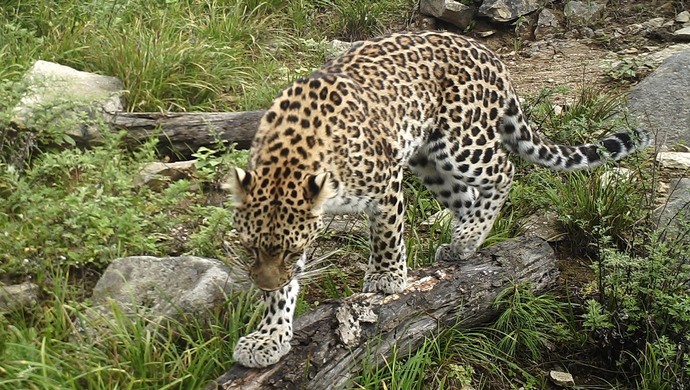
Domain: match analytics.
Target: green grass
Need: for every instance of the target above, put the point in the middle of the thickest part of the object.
(49, 349)
(173, 55)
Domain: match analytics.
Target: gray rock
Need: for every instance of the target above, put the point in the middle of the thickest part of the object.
(450, 11)
(615, 175)
(586, 32)
(545, 226)
(653, 23)
(338, 47)
(657, 57)
(440, 219)
(156, 174)
(661, 102)
(18, 296)
(583, 11)
(165, 287)
(61, 96)
(683, 34)
(547, 24)
(507, 10)
(346, 224)
(676, 210)
(683, 17)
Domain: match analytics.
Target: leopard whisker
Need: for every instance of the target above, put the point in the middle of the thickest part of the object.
(316, 269)
(238, 266)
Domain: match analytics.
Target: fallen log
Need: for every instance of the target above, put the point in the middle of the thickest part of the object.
(331, 341)
(185, 132)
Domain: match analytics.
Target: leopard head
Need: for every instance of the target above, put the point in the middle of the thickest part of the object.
(277, 218)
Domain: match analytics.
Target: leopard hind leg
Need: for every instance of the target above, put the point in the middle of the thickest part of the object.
(473, 193)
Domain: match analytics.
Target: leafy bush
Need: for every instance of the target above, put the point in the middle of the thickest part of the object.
(643, 315)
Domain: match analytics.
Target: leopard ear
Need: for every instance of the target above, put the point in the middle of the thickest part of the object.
(241, 182)
(319, 188)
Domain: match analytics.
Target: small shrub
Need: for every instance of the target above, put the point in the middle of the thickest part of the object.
(630, 70)
(591, 205)
(644, 310)
(592, 115)
(404, 370)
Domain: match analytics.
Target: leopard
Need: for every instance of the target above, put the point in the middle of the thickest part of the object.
(437, 104)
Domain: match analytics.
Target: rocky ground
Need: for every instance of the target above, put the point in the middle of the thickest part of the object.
(573, 52)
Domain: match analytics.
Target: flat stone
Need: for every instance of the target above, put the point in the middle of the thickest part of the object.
(683, 33)
(562, 379)
(683, 17)
(657, 57)
(156, 174)
(654, 23)
(338, 47)
(674, 160)
(508, 10)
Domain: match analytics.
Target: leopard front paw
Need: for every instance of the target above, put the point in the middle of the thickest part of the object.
(385, 282)
(261, 350)
(445, 252)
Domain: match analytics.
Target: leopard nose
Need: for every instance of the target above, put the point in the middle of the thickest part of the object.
(269, 278)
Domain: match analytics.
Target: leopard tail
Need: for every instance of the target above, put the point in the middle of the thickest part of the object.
(518, 137)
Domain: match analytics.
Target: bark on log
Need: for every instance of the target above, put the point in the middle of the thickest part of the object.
(327, 352)
(185, 132)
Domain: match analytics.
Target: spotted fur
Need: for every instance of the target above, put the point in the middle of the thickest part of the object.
(338, 141)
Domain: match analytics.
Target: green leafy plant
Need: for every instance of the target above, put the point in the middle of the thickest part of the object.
(526, 328)
(630, 70)
(644, 310)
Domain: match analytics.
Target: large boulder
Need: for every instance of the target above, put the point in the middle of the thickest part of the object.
(509, 10)
(165, 287)
(450, 11)
(661, 101)
(674, 215)
(583, 11)
(68, 98)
